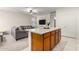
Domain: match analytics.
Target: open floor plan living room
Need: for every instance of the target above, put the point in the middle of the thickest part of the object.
(39, 29)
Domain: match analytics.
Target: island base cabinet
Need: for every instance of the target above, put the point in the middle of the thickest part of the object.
(59, 34)
(37, 42)
(47, 44)
(52, 42)
(57, 37)
(46, 41)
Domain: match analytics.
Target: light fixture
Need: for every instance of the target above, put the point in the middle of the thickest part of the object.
(35, 11)
(31, 11)
(28, 9)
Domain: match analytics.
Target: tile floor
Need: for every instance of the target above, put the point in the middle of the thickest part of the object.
(66, 44)
(10, 44)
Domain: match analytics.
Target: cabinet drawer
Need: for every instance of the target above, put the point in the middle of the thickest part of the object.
(36, 36)
(53, 33)
(47, 35)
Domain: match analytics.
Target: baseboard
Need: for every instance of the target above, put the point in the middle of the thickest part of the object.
(69, 37)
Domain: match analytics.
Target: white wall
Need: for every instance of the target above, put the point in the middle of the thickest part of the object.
(66, 19)
(77, 22)
(34, 21)
(10, 19)
(52, 18)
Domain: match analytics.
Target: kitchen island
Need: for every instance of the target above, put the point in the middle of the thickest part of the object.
(45, 39)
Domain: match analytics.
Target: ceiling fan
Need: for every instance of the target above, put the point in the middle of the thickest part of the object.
(31, 11)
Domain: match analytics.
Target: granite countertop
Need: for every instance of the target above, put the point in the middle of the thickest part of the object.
(42, 31)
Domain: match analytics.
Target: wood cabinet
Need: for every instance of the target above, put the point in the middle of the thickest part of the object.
(57, 36)
(46, 41)
(37, 42)
(52, 40)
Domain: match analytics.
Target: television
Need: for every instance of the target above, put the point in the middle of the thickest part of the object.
(42, 22)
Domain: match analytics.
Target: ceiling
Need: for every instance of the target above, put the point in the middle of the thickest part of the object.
(41, 10)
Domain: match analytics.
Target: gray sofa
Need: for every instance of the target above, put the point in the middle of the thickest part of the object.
(19, 33)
